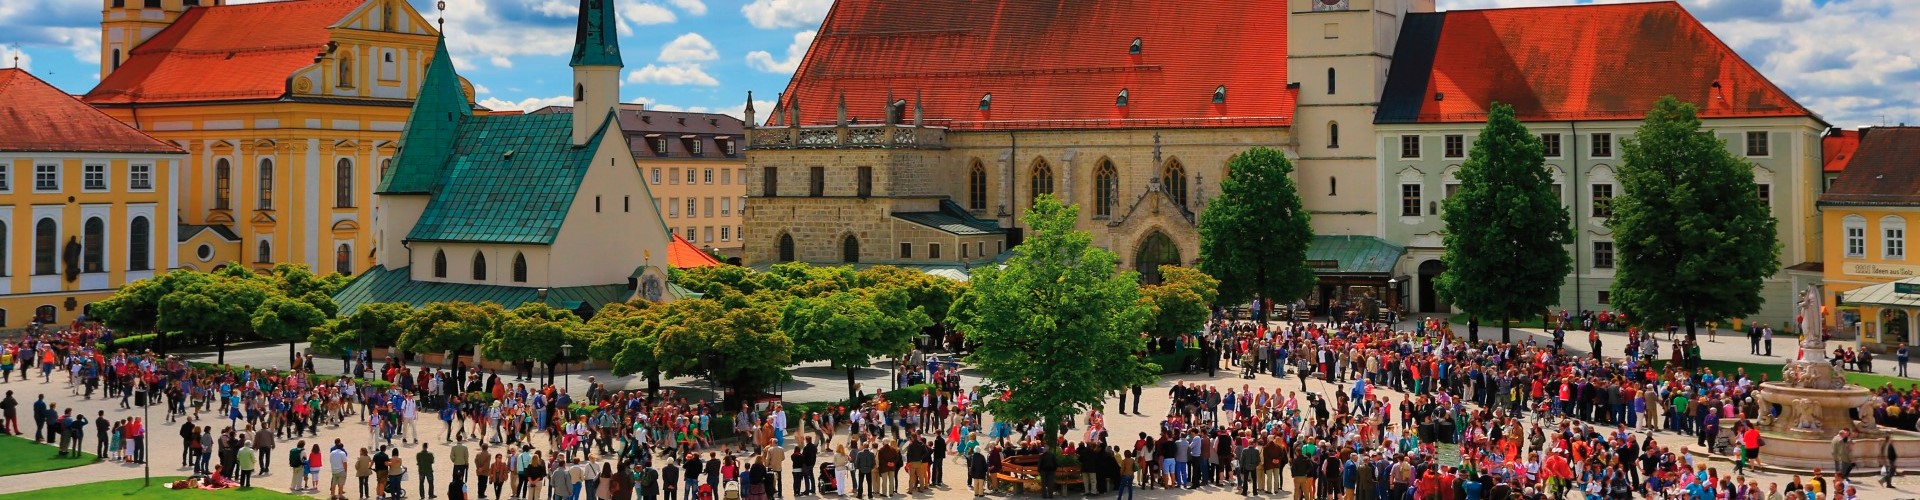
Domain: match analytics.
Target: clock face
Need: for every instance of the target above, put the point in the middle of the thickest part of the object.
(1327, 5)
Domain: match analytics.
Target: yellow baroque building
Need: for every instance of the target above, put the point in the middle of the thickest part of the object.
(83, 203)
(1870, 208)
(289, 111)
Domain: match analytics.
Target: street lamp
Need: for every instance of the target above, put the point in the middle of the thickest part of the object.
(565, 351)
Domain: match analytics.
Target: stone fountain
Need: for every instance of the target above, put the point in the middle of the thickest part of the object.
(1801, 413)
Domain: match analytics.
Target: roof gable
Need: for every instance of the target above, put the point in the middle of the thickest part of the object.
(683, 255)
(1049, 65)
(1885, 170)
(35, 116)
(252, 48)
(1578, 62)
(508, 179)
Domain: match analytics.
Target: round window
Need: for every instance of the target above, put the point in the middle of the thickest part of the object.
(205, 252)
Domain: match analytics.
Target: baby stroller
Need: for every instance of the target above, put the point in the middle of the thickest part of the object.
(825, 483)
(396, 482)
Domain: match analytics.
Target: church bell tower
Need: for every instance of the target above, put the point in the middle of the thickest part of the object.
(596, 68)
(124, 24)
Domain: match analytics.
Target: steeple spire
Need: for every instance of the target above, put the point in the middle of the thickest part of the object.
(597, 42)
(431, 128)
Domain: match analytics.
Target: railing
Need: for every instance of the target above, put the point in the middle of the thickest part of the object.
(848, 136)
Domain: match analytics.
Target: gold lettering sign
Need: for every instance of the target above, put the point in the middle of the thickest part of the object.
(1882, 270)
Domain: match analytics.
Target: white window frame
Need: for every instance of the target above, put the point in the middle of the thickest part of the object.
(54, 173)
(693, 207)
(1558, 139)
(1446, 146)
(90, 172)
(1594, 140)
(1766, 144)
(1612, 255)
(726, 233)
(656, 176)
(726, 206)
(1410, 140)
(673, 207)
(705, 174)
(1893, 238)
(6, 178)
(1854, 231)
(1418, 198)
(690, 176)
(137, 172)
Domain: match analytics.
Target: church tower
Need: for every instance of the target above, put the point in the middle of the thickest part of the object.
(1338, 52)
(596, 68)
(124, 24)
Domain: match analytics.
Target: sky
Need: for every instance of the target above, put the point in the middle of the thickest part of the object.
(1855, 62)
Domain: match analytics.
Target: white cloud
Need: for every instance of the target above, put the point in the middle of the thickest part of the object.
(772, 14)
(635, 13)
(528, 104)
(689, 48)
(674, 74)
(695, 7)
(764, 61)
(762, 108)
(481, 89)
(7, 55)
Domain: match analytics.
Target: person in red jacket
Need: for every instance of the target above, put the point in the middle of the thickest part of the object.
(1558, 474)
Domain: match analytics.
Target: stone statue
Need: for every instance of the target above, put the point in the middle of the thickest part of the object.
(1806, 415)
(1811, 325)
(1866, 423)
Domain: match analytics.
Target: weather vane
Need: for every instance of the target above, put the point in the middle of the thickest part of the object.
(442, 6)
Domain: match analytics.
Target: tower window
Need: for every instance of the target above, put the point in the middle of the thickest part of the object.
(579, 92)
(1331, 78)
(1333, 135)
(266, 184)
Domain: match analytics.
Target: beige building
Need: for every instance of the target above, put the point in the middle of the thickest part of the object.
(695, 164)
(1454, 64)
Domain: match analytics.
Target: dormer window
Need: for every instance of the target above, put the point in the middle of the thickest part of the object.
(695, 146)
(1134, 49)
(657, 143)
(986, 102)
(1220, 94)
(1120, 101)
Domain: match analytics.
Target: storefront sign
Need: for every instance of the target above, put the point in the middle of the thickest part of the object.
(1882, 270)
(1906, 288)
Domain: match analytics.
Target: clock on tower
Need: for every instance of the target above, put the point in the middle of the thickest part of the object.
(1329, 5)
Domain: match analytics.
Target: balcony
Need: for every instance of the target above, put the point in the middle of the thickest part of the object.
(881, 136)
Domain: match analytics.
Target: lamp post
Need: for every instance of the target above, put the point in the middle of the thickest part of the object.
(146, 418)
(566, 350)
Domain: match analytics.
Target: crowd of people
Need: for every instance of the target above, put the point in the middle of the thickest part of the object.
(1468, 419)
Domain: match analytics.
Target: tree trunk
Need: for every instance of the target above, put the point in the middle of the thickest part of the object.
(852, 392)
(1690, 321)
(222, 357)
(290, 354)
(653, 384)
(160, 344)
(1053, 434)
(1506, 329)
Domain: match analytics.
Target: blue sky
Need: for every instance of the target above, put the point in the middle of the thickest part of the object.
(1857, 62)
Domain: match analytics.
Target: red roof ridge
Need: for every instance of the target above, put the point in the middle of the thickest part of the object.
(1568, 6)
(1738, 59)
(52, 120)
(255, 47)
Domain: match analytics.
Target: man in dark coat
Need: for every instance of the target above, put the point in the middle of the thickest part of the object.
(1048, 465)
(977, 473)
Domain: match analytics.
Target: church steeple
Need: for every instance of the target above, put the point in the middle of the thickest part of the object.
(431, 128)
(596, 68)
(597, 42)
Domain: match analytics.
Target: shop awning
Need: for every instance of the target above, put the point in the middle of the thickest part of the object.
(1353, 255)
(1903, 293)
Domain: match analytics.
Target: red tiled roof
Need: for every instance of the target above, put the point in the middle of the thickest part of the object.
(1885, 170)
(1050, 64)
(1586, 62)
(35, 116)
(223, 53)
(682, 255)
(1836, 150)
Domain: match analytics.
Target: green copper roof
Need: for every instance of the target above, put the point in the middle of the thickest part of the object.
(429, 137)
(509, 179)
(596, 43)
(394, 285)
(1330, 254)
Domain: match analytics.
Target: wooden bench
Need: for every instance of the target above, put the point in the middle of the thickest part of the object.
(1021, 484)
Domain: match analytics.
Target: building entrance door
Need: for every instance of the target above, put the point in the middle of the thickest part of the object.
(1429, 298)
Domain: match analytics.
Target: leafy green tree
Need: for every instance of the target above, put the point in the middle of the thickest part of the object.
(372, 325)
(741, 348)
(626, 335)
(286, 319)
(221, 308)
(536, 331)
(850, 329)
(1507, 234)
(1695, 241)
(1254, 236)
(136, 306)
(450, 326)
(1180, 304)
(1057, 328)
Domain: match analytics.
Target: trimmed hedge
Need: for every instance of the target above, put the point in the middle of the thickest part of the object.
(377, 384)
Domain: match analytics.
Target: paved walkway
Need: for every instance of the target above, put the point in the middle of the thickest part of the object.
(814, 383)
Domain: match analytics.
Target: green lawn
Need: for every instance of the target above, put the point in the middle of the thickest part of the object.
(1754, 370)
(25, 456)
(131, 489)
